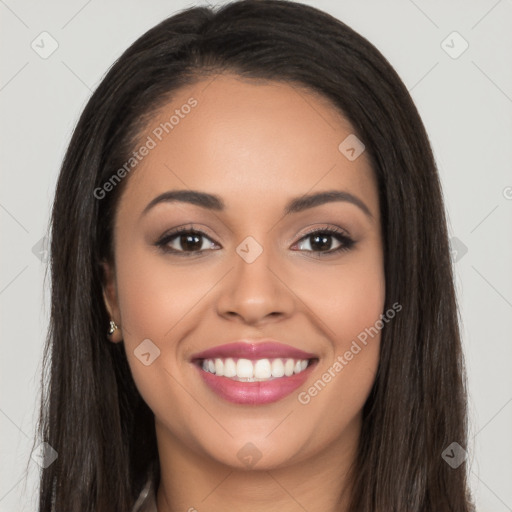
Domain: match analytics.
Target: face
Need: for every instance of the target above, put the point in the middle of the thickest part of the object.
(254, 263)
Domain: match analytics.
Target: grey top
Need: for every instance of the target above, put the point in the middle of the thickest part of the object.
(146, 502)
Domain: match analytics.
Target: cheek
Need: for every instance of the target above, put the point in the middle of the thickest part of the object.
(349, 300)
(155, 295)
(347, 297)
(157, 300)
(352, 304)
(331, 406)
(150, 305)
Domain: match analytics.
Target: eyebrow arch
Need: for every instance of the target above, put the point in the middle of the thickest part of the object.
(295, 205)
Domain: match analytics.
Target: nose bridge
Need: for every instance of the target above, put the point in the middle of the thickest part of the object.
(252, 264)
(253, 290)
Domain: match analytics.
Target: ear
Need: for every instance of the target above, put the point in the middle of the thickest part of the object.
(111, 302)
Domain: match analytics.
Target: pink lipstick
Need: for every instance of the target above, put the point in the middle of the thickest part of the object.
(246, 372)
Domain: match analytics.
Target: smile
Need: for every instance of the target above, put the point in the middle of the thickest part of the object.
(254, 373)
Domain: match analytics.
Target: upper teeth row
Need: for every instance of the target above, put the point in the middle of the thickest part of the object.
(258, 369)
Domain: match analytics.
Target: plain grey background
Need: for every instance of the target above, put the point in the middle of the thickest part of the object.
(464, 96)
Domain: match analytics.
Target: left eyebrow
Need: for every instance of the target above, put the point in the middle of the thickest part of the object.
(295, 205)
(302, 203)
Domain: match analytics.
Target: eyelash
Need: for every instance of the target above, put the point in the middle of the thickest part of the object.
(343, 238)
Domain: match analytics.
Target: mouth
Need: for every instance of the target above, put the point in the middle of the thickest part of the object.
(260, 370)
(254, 373)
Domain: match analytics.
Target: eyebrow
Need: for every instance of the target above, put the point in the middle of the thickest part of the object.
(295, 205)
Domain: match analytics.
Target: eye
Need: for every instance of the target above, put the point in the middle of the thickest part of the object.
(322, 241)
(185, 241)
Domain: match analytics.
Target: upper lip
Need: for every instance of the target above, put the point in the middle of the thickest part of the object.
(251, 349)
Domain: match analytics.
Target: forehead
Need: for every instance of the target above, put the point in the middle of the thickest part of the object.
(251, 141)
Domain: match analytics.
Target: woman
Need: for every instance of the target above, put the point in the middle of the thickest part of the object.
(252, 300)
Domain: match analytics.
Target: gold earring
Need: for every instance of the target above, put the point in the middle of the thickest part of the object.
(113, 327)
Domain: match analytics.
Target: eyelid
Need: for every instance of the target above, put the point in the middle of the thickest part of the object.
(185, 228)
(334, 231)
(175, 232)
(344, 238)
(328, 228)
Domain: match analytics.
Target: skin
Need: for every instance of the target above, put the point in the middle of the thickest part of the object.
(256, 145)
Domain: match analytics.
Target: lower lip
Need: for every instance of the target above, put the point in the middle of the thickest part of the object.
(255, 393)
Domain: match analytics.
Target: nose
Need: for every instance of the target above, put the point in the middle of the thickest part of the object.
(256, 292)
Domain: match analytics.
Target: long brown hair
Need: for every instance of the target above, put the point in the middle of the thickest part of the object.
(91, 412)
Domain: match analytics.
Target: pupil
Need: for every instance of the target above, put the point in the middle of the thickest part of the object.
(193, 243)
(323, 244)
(188, 241)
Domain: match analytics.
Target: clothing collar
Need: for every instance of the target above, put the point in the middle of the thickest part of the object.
(146, 502)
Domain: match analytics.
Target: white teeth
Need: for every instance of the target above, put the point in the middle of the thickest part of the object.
(262, 369)
(252, 371)
(244, 369)
(278, 368)
(288, 367)
(229, 368)
(219, 367)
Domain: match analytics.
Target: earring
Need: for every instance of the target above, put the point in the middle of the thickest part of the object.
(113, 327)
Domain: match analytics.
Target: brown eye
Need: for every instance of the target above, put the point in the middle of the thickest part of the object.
(185, 241)
(325, 241)
(190, 242)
